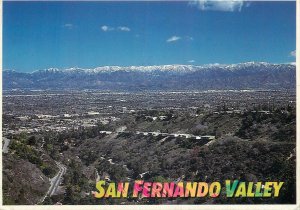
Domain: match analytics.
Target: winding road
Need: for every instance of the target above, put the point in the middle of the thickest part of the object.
(55, 181)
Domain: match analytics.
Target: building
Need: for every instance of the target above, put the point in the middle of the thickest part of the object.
(105, 132)
(208, 137)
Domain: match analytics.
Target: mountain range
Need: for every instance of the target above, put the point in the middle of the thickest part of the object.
(250, 75)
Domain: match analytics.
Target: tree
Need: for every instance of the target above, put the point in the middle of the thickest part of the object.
(31, 140)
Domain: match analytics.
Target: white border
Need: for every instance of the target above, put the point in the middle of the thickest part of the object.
(173, 207)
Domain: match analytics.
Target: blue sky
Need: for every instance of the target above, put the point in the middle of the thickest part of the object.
(39, 35)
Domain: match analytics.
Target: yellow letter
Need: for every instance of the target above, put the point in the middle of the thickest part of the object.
(111, 190)
(277, 188)
(250, 192)
(241, 190)
(190, 190)
(99, 187)
(202, 189)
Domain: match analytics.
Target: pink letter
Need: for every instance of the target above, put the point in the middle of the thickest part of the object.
(137, 188)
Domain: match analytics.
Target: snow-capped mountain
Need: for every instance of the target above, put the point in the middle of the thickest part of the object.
(168, 68)
(252, 75)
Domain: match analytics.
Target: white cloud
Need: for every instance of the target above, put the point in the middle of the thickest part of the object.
(293, 53)
(68, 25)
(218, 5)
(107, 28)
(123, 28)
(173, 39)
(191, 61)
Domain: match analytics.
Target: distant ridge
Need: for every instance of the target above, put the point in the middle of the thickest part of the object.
(250, 75)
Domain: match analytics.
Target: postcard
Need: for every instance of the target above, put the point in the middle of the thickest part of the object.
(149, 104)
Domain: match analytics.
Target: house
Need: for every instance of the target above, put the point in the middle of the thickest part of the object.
(237, 111)
(162, 117)
(184, 135)
(154, 133)
(196, 137)
(229, 112)
(208, 137)
(91, 113)
(105, 132)
(264, 112)
(150, 118)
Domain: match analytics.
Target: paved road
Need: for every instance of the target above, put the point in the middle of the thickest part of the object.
(6, 144)
(55, 181)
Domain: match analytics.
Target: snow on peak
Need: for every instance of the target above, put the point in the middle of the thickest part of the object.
(176, 68)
